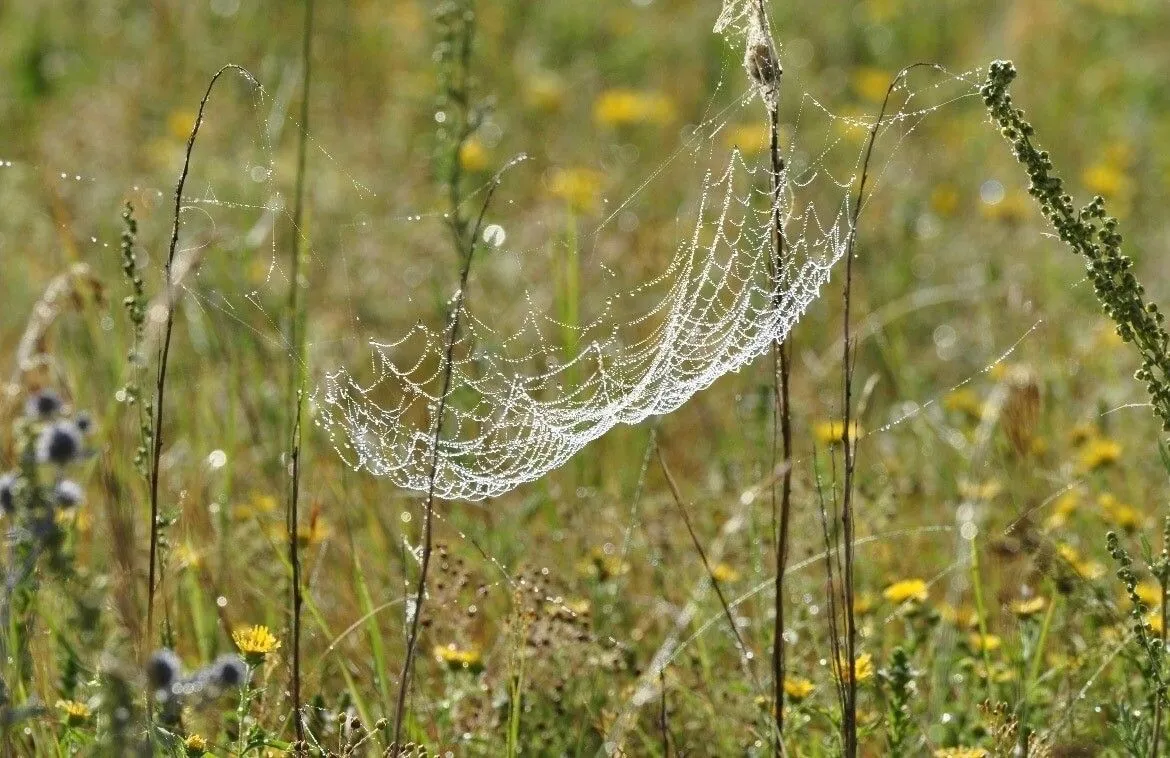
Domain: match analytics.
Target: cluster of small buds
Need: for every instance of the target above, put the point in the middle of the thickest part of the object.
(170, 689)
(1093, 234)
(1152, 668)
(55, 439)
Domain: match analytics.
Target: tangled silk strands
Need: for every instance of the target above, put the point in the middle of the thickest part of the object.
(519, 407)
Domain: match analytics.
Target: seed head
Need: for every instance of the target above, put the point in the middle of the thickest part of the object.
(229, 671)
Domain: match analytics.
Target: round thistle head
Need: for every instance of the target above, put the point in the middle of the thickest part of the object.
(163, 669)
(229, 671)
(68, 494)
(84, 422)
(43, 404)
(8, 492)
(59, 444)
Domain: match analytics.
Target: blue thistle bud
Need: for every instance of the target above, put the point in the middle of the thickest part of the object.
(68, 493)
(44, 404)
(59, 444)
(163, 669)
(229, 671)
(8, 492)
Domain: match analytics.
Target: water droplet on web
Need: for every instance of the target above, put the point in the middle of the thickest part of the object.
(991, 192)
(494, 235)
(260, 174)
(216, 459)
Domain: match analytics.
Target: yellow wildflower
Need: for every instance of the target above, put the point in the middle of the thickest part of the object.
(965, 401)
(545, 92)
(258, 506)
(1028, 608)
(602, 565)
(1149, 593)
(724, 573)
(195, 745)
(862, 604)
(984, 643)
(1154, 620)
(863, 665)
(985, 491)
(1119, 513)
(1062, 509)
(473, 156)
(626, 107)
(907, 590)
(74, 711)
(871, 83)
(750, 138)
(1012, 208)
(188, 556)
(458, 659)
(180, 123)
(961, 752)
(1099, 452)
(833, 432)
(944, 201)
(1106, 179)
(579, 187)
(255, 642)
(796, 688)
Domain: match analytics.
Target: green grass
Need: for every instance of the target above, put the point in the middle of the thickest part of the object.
(946, 285)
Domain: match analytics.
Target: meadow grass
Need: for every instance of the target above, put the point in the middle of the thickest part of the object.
(988, 613)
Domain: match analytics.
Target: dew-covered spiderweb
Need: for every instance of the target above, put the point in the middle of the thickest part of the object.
(531, 388)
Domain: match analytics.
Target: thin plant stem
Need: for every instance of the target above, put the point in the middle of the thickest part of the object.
(428, 508)
(674, 491)
(165, 348)
(297, 372)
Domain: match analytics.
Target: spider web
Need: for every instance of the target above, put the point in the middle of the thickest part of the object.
(522, 402)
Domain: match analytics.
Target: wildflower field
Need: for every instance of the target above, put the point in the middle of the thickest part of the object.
(642, 378)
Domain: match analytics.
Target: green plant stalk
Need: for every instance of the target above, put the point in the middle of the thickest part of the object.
(981, 614)
(297, 375)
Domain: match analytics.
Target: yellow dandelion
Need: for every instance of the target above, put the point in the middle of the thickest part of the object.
(257, 506)
(1149, 593)
(544, 92)
(627, 107)
(984, 643)
(871, 83)
(195, 745)
(751, 139)
(473, 155)
(255, 642)
(1028, 608)
(75, 712)
(1107, 180)
(907, 590)
(459, 659)
(724, 573)
(863, 665)
(578, 187)
(862, 604)
(964, 401)
(833, 432)
(797, 688)
(1099, 452)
